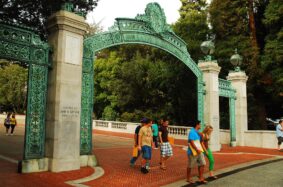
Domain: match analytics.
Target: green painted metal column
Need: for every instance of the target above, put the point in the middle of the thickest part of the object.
(87, 101)
(35, 116)
(200, 96)
(232, 121)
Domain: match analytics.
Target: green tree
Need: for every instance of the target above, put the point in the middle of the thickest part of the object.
(13, 81)
(143, 81)
(192, 26)
(34, 13)
(105, 69)
(272, 59)
(230, 24)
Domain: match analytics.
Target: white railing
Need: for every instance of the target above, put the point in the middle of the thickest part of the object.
(102, 124)
(255, 138)
(119, 125)
(179, 132)
(115, 126)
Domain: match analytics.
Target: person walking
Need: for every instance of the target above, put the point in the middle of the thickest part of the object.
(136, 142)
(205, 135)
(7, 123)
(145, 144)
(155, 134)
(195, 154)
(165, 147)
(13, 123)
(279, 133)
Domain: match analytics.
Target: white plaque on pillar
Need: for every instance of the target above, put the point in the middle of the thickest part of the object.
(73, 50)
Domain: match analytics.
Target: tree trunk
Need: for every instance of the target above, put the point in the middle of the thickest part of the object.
(253, 36)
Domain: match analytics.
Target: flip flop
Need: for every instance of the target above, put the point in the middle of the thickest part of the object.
(191, 181)
(213, 177)
(203, 181)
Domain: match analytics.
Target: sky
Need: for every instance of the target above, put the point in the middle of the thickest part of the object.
(107, 10)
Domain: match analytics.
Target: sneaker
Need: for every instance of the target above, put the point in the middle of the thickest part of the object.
(132, 165)
(7, 134)
(144, 170)
(12, 134)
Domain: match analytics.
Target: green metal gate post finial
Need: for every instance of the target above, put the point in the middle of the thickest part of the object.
(149, 29)
(207, 47)
(67, 6)
(236, 61)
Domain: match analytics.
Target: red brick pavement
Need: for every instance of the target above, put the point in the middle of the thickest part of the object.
(10, 178)
(115, 162)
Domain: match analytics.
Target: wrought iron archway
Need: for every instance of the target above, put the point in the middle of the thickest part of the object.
(149, 29)
(22, 44)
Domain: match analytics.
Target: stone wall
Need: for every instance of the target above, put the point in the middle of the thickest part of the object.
(253, 138)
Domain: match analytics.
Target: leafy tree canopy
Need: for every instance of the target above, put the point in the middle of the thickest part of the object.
(34, 13)
(13, 81)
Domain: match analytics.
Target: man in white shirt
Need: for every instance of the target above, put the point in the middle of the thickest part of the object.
(279, 133)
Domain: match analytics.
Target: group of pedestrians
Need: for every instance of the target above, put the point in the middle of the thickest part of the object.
(10, 122)
(149, 135)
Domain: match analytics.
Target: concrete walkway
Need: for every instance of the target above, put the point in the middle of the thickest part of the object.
(113, 151)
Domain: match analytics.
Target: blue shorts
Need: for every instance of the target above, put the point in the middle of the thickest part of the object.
(146, 152)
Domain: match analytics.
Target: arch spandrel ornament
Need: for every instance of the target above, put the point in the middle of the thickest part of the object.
(148, 29)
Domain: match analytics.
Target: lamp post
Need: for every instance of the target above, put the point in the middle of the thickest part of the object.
(236, 60)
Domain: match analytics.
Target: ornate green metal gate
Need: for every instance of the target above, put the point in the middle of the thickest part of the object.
(22, 44)
(149, 29)
(226, 90)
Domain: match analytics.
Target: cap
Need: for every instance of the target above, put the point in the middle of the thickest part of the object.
(145, 120)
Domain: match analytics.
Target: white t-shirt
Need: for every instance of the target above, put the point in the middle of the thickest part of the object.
(279, 132)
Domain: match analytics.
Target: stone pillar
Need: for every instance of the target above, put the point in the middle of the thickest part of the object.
(66, 32)
(211, 100)
(239, 83)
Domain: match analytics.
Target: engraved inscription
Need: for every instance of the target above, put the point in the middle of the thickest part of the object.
(70, 112)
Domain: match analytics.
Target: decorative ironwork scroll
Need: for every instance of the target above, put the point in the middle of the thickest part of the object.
(149, 29)
(22, 44)
(226, 90)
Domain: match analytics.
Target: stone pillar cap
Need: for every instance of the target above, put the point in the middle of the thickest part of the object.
(64, 20)
(209, 66)
(239, 75)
